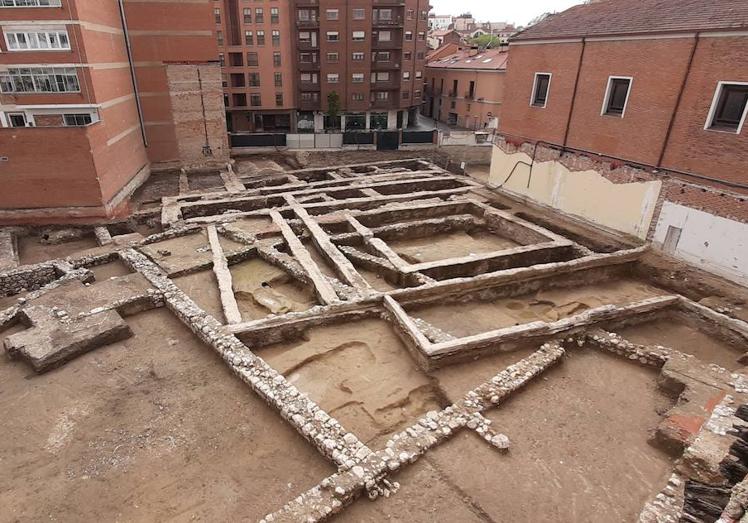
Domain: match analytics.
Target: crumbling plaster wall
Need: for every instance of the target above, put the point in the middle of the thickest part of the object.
(718, 244)
(625, 207)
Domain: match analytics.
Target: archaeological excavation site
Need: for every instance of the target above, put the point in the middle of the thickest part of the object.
(370, 341)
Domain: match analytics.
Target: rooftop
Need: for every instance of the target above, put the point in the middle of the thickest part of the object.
(494, 59)
(619, 17)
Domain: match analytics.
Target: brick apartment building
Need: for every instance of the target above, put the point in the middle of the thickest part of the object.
(651, 96)
(93, 93)
(465, 89)
(283, 58)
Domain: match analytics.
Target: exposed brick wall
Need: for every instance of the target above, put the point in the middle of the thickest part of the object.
(658, 67)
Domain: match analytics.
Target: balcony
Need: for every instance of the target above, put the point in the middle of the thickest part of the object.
(392, 22)
(470, 96)
(307, 46)
(388, 44)
(386, 85)
(385, 66)
(307, 24)
(309, 105)
(308, 67)
(452, 94)
(309, 86)
(385, 104)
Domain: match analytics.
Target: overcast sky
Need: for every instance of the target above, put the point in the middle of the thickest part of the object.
(514, 11)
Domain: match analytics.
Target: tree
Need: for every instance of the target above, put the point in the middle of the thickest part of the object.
(486, 41)
(333, 105)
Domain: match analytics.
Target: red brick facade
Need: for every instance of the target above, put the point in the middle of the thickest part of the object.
(659, 67)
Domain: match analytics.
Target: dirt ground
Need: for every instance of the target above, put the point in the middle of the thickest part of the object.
(561, 465)
(450, 245)
(155, 428)
(467, 319)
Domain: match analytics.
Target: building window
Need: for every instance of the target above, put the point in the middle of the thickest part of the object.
(247, 15)
(279, 99)
(358, 36)
(358, 57)
(383, 77)
(359, 14)
(278, 79)
(254, 79)
(421, 35)
(355, 121)
(226, 100)
(260, 37)
(39, 80)
(77, 120)
(236, 60)
(219, 37)
(382, 96)
(333, 78)
(32, 40)
(30, 3)
(332, 14)
(276, 37)
(333, 36)
(357, 78)
(383, 56)
(333, 58)
(222, 59)
(408, 36)
(357, 97)
(417, 93)
(255, 100)
(411, 14)
(308, 78)
(274, 15)
(240, 100)
(384, 36)
(420, 55)
(217, 15)
(276, 59)
(540, 87)
(378, 120)
(407, 55)
(252, 60)
(616, 96)
(248, 38)
(729, 107)
(406, 75)
(259, 15)
(419, 74)
(17, 120)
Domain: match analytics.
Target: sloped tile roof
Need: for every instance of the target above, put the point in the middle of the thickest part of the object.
(630, 17)
(491, 59)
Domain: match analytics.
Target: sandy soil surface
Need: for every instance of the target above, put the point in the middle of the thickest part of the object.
(465, 319)
(179, 254)
(155, 428)
(579, 453)
(360, 373)
(451, 245)
(686, 339)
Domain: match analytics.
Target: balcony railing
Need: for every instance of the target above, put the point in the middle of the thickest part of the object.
(384, 66)
(469, 96)
(309, 86)
(386, 85)
(307, 46)
(385, 104)
(309, 105)
(307, 24)
(388, 22)
(308, 66)
(452, 94)
(387, 44)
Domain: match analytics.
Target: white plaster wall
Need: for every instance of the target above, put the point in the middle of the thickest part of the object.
(717, 244)
(625, 207)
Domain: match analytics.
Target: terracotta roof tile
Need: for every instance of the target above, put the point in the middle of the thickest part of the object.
(626, 17)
